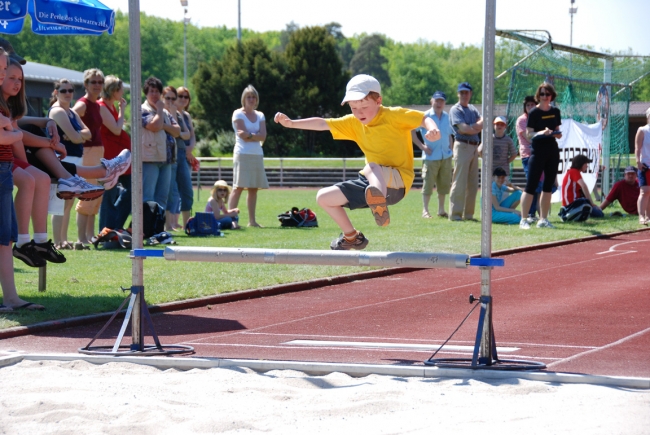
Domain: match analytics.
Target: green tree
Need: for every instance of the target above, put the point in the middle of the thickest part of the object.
(368, 59)
(220, 83)
(318, 82)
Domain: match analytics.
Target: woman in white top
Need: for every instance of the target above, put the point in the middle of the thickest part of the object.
(248, 162)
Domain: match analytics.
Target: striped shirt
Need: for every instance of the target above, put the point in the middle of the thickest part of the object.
(6, 151)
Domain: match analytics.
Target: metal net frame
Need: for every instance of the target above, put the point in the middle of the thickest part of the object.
(591, 87)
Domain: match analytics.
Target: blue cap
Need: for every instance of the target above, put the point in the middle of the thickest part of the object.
(464, 87)
(439, 95)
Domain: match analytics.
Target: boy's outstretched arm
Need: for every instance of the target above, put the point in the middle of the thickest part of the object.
(317, 124)
(432, 134)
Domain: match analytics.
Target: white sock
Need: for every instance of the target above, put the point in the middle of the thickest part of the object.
(22, 239)
(40, 237)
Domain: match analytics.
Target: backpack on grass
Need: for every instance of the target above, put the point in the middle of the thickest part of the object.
(578, 211)
(153, 219)
(203, 224)
(298, 218)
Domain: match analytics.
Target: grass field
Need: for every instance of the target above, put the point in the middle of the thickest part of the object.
(89, 282)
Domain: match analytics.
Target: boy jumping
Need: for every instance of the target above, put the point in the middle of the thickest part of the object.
(384, 136)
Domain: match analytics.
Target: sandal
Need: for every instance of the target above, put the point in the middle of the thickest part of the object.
(426, 215)
(64, 246)
(443, 214)
(78, 246)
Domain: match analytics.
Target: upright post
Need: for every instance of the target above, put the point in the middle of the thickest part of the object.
(185, 48)
(239, 20)
(607, 140)
(486, 357)
(136, 171)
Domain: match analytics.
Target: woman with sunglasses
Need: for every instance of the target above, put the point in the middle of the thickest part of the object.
(158, 142)
(178, 188)
(185, 160)
(88, 109)
(116, 203)
(73, 133)
(542, 129)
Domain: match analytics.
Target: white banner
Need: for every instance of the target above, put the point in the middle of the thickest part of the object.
(577, 139)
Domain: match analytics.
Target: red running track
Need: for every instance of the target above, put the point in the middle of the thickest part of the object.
(581, 308)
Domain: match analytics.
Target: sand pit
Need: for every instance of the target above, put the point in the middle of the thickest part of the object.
(53, 397)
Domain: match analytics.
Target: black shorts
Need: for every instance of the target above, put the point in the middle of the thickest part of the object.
(33, 160)
(355, 192)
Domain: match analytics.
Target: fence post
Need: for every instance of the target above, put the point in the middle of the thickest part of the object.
(281, 173)
(343, 169)
(219, 171)
(198, 183)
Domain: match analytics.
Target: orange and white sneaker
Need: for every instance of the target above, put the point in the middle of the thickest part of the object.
(377, 203)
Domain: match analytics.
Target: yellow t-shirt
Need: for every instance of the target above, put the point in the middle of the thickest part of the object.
(386, 140)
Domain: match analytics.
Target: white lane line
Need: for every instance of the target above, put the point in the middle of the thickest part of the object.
(370, 349)
(359, 337)
(377, 345)
(598, 349)
(613, 248)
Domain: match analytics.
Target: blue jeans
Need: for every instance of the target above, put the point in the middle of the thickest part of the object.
(225, 223)
(8, 223)
(181, 195)
(116, 205)
(155, 182)
(533, 205)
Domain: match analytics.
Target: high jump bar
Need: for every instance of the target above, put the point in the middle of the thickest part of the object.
(420, 260)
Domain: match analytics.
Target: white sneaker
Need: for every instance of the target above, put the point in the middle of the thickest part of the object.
(77, 187)
(524, 225)
(114, 168)
(544, 223)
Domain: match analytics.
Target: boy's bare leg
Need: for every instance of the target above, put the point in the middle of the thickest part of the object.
(91, 172)
(24, 198)
(425, 205)
(373, 173)
(9, 293)
(332, 200)
(41, 199)
(52, 162)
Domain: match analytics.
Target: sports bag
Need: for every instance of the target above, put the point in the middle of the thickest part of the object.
(153, 219)
(203, 224)
(578, 211)
(298, 218)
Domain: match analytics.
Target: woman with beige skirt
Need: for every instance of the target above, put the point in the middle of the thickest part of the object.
(248, 162)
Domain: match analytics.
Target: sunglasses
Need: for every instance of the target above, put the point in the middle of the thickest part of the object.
(66, 91)
(96, 82)
(222, 190)
(170, 98)
(544, 94)
(184, 97)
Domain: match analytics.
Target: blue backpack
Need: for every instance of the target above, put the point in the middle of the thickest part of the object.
(203, 224)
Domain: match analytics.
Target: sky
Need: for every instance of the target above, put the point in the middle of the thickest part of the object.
(602, 24)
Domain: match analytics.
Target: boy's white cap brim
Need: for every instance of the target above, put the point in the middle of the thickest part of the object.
(359, 87)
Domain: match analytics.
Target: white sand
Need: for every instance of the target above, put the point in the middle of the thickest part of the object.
(118, 398)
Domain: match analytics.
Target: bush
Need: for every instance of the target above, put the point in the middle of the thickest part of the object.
(225, 142)
(205, 147)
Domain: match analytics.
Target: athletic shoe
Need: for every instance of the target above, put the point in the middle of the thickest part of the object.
(48, 252)
(28, 255)
(532, 219)
(342, 244)
(114, 168)
(377, 203)
(524, 224)
(77, 187)
(544, 223)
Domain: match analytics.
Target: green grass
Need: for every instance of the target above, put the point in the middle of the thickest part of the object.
(89, 282)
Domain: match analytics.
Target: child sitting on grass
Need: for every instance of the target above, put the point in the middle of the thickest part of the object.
(384, 136)
(505, 199)
(218, 206)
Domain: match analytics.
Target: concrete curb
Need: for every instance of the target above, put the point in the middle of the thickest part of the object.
(355, 370)
(274, 290)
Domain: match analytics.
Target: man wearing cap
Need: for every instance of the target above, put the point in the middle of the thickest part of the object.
(504, 150)
(642, 154)
(625, 191)
(467, 124)
(436, 156)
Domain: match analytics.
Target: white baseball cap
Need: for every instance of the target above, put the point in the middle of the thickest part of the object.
(359, 87)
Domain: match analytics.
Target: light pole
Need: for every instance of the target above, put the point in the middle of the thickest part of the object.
(186, 19)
